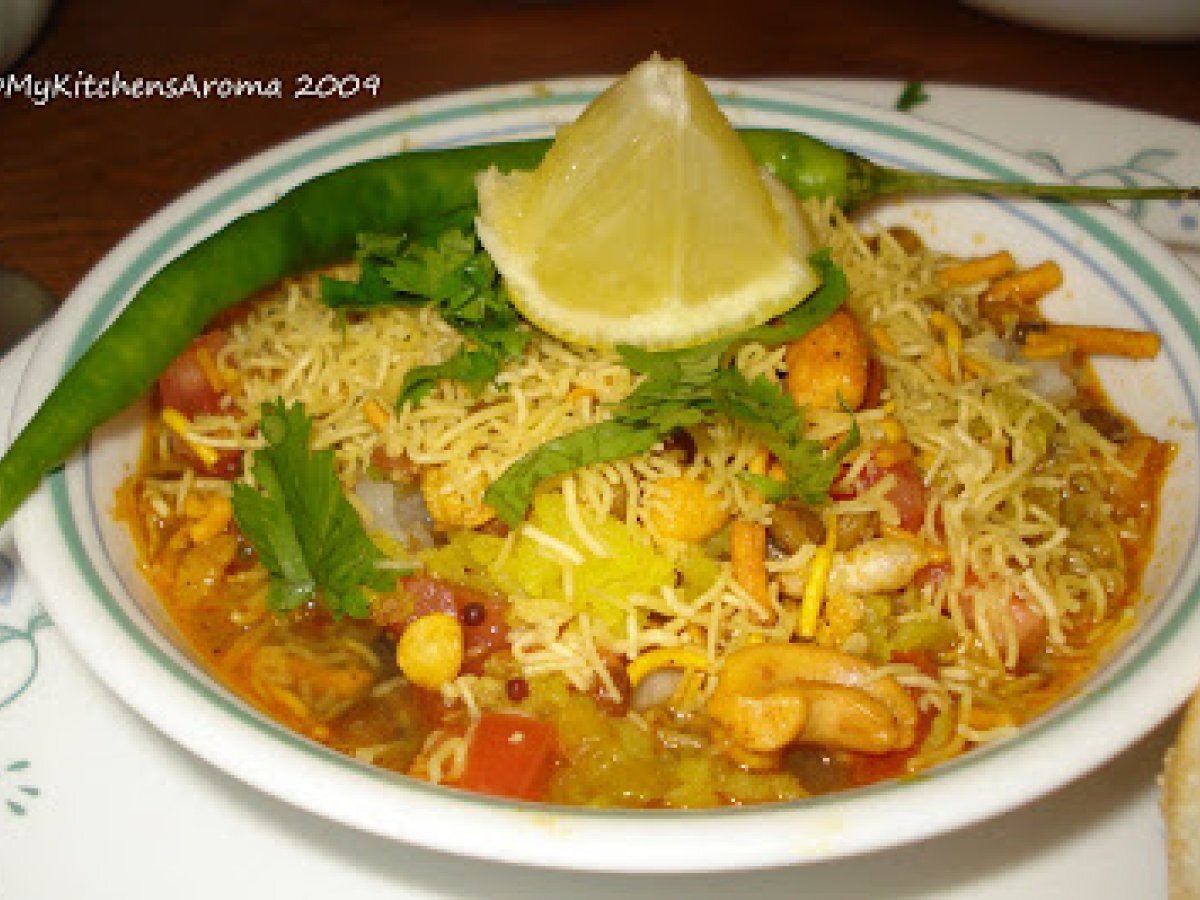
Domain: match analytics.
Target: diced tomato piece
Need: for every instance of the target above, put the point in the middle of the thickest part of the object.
(907, 494)
(185, 387)
(1032, 629)
(511, 756)
(228, 465)
(482, 634)
(1028, 621)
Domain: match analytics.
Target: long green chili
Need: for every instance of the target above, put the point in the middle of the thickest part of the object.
(315, 225)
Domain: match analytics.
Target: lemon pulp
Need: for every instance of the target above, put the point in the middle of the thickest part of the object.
(647, 222)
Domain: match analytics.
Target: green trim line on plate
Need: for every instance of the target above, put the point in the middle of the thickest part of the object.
(152, 256)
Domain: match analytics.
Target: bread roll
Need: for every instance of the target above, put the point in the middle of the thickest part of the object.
(1181, 807)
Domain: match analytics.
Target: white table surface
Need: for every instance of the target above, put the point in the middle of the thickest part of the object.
(94, 803)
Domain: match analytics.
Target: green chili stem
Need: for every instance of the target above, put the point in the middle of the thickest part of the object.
(885, 181)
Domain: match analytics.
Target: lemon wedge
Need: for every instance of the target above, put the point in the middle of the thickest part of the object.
(646, 223)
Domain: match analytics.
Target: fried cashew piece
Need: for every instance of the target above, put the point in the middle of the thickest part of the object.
(874, 566)
(881, 564)
(770, 696)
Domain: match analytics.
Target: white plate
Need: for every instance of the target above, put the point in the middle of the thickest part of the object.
(1122, 275)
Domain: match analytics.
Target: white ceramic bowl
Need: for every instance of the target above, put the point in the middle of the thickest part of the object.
(82, 562)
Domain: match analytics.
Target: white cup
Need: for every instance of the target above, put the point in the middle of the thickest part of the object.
(19, 24)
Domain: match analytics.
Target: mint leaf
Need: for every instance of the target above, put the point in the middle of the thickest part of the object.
(511, 494)
(801, 319)
(474, 368)
(299, 521)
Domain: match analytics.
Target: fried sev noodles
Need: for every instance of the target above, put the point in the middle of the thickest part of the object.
(1019, 520)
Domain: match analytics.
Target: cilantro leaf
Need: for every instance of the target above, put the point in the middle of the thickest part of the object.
(370, 290)
(775, 420)
(305, 531)
(683, 388)
(675, 391)
(447, 271)
(274, 537)
(455, 276)
(911, 96)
